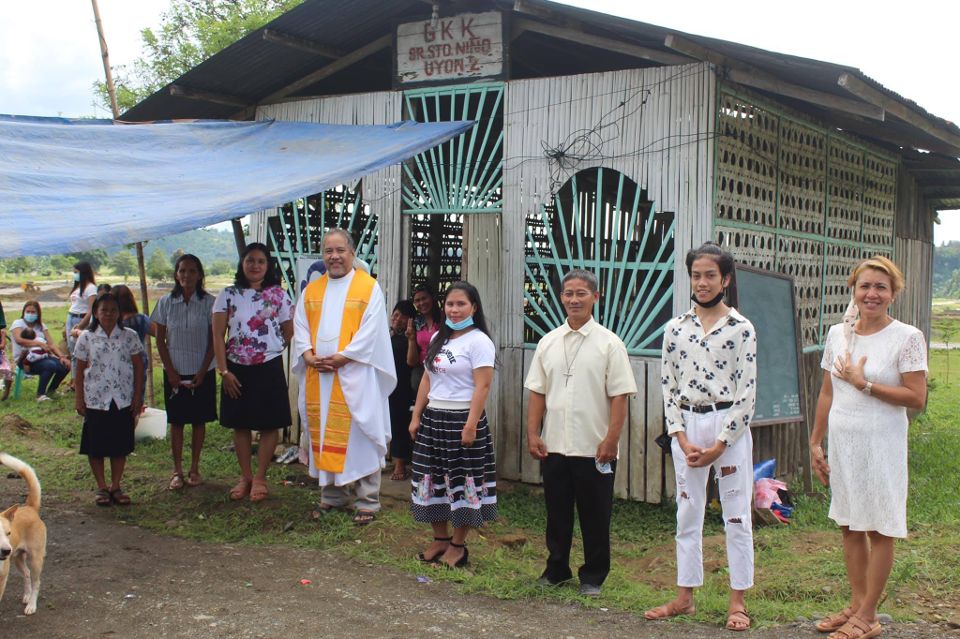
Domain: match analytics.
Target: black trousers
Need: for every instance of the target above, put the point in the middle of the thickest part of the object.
(569, 482)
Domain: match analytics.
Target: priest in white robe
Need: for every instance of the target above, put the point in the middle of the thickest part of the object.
(346, 373)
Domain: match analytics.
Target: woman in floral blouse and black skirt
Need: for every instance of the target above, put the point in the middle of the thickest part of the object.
(257, 313)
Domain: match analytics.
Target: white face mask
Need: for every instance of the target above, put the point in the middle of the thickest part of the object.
(29, 318)
(76, 277)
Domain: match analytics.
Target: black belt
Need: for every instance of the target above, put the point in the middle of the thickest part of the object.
(76, 314)
(706, 408)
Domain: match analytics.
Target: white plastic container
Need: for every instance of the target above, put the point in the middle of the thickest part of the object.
(152, 425)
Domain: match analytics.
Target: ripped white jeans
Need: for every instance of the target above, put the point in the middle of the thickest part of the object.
(734, 472)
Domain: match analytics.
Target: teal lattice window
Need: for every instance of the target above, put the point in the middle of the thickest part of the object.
(296, 229)
(461, 177)
(603, 222)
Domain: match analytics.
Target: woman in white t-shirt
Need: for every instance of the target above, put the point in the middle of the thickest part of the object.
(50, 370)
(82, 295)
(454, 474)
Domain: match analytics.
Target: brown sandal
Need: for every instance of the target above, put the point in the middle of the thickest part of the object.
(241, 490)
(857, 628)
(176, 482)
(834, 621)
(119, 497)
(738, 620)
(364, 517)
(259, 490)
(194, 480)
(102, 498)
(668, 610)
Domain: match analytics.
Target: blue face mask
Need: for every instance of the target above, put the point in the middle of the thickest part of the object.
(29, 318)
(462, 324)
(76, 277)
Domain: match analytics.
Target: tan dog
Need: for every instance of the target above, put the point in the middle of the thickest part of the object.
(23, 537)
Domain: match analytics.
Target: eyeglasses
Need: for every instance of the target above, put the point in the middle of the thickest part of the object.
(580, 294)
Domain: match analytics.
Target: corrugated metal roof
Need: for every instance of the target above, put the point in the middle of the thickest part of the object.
(253, 68)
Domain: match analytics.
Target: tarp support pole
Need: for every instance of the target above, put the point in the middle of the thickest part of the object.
(238, 235)
(111, 90)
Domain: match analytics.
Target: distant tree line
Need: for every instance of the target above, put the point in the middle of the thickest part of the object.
(216, 249)
(946, 270)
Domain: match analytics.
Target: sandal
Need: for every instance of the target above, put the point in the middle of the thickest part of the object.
(194, 480)
(463, 561)
(102, 498)
(432, 560)
(259, 490)
(176, 482)
(364, 517)
(857, 628)
(119, 497)
(738, 620)
(400, 476)
(322, 510)
(834, 621)
(667, 610)
(241, 490)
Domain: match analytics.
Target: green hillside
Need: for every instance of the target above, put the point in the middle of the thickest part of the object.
(946, 270)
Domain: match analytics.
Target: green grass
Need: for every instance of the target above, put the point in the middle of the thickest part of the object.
(800, 568)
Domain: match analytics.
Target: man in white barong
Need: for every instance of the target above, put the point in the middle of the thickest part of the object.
(346, 372)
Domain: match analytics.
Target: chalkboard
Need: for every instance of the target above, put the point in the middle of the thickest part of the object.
(766, 299)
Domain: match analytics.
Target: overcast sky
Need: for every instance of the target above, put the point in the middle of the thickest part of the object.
(49, 55)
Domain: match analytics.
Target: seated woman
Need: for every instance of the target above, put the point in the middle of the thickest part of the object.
(6, 374)
(50, 370)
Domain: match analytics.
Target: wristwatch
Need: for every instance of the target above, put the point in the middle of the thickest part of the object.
(222, 371)
(868, 388)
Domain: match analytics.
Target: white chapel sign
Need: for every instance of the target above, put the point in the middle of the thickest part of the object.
(469, 45)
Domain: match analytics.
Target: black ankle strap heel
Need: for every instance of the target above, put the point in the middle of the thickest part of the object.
(432, 560)
(463, 561)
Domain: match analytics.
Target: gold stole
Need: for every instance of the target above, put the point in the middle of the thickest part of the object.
(333, 454)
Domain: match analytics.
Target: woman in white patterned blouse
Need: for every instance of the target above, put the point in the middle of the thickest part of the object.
(109, 394)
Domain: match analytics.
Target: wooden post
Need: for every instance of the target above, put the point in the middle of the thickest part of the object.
(144, 297)
(238, 235)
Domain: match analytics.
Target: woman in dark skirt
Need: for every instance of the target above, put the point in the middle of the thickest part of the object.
(401, 399)
(255, 314)
(454, 474)
(109, 395)
(182, 320)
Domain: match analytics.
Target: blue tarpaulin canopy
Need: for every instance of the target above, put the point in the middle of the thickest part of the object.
(72, 185)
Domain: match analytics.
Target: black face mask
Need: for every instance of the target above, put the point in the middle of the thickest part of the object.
(710, 304)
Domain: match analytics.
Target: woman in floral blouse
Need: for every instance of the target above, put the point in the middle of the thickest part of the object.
(254, 315)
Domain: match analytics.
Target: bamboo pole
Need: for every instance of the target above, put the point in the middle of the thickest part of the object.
(144, 297)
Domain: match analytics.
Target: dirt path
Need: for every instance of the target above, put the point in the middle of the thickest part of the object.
(104, 579)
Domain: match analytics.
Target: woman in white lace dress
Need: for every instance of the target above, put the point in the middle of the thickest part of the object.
(875, 369)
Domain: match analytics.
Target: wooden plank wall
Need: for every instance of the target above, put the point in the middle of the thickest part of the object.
(642, 468)
(914, 254)
(656, 127)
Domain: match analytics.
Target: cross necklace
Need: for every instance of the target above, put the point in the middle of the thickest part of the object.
(569, 372)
